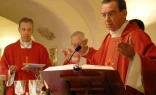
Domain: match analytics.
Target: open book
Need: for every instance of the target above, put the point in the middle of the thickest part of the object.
(63, 80)
(71, 66)
(33, 65)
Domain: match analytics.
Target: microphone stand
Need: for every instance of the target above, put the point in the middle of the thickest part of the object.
(77, 49)
(48, 92)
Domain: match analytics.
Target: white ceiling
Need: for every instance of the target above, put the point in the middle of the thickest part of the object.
(66, 16)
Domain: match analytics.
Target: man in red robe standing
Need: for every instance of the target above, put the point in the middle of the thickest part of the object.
(78, 38)
(24, 51)
(127, 49)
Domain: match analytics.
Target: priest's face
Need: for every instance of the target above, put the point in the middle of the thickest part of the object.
(77, 40)
(113, 17)
(26, 30)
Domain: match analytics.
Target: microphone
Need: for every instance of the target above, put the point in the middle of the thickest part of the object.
(76, 50)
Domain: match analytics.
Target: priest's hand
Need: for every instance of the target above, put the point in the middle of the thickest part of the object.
(34, 70)
(76, 58)
(126, 49)
(68, 53)
(13, 69)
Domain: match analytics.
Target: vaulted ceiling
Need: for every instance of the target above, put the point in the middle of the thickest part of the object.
(62, 17)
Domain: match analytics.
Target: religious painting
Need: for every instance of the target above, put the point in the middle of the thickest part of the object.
(53, 55)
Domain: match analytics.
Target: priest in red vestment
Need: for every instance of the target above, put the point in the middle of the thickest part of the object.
(78, 38)
(127, 49)
(20, 53)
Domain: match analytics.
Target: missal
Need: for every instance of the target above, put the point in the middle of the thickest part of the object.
(71, 66)
(33, 65)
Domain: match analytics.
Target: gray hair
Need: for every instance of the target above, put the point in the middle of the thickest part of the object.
(82, 35)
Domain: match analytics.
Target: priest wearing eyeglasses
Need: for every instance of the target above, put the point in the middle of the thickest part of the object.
(78, 38)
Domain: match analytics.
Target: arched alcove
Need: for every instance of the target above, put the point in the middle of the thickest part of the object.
(59, 17)
(62, 17)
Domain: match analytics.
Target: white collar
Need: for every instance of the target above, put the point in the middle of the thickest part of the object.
(86, 52)
(25, 44)
(118, 33)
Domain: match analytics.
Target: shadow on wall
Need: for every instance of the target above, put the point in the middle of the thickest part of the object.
(151, 30)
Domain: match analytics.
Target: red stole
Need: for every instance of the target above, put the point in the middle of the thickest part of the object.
(112, 54)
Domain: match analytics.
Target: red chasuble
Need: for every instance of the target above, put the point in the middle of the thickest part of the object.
(144, 47)
(88, 56)
(15, 55)
(112, 54)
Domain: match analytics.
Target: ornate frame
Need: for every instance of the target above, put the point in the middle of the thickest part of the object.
(53, 55)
